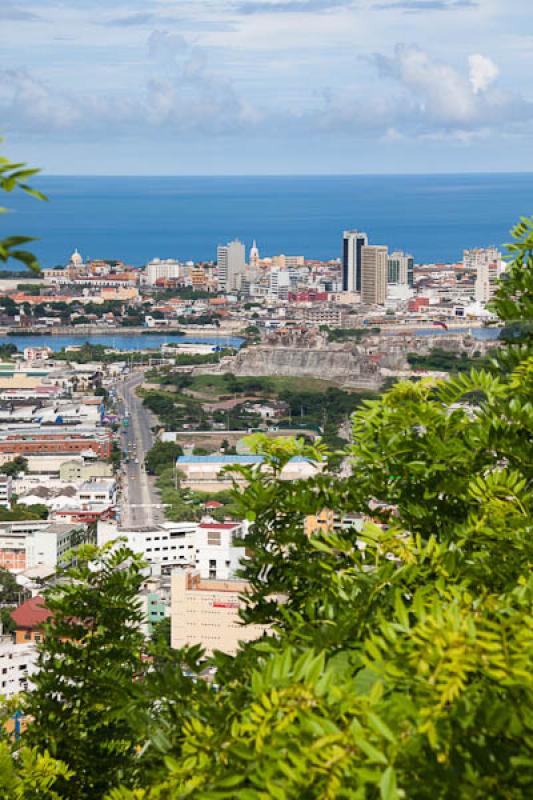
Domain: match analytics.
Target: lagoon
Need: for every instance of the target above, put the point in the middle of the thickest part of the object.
(120, 341)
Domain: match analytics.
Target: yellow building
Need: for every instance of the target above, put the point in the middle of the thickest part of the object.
(206, 612)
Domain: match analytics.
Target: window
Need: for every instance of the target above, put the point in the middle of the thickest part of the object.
(213, 538)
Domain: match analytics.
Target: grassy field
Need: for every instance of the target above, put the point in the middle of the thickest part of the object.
(216, 385)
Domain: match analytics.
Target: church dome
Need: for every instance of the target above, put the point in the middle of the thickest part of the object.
(76, 259)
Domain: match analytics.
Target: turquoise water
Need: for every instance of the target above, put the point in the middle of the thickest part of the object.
(135, 219)
(134, 342)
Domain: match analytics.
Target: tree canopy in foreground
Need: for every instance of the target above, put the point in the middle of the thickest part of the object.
(399, 664)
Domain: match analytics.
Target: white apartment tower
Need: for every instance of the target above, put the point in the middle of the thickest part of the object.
(353, 242)
(488, 266)
(279, 283)
(400, 269)
(374, 273)
(231, 263)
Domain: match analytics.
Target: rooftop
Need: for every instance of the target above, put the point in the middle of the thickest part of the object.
(216, 459)
(31, 614)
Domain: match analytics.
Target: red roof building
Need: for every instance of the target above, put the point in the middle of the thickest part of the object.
(29, 618)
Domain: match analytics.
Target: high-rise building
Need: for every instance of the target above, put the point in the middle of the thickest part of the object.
(374, 270)
(231, 262)
(279, 283)
(400, 269)
(353, 242)
(488, 266)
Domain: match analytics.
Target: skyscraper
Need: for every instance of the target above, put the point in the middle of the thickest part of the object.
(400, 269)
(374, 268)
(353, 242)
(231, 262)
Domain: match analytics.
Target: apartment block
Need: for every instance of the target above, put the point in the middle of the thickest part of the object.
(206, 612)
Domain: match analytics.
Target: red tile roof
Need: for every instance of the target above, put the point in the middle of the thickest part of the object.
(31, 614)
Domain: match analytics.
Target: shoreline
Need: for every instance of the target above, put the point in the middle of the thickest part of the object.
(93, 330)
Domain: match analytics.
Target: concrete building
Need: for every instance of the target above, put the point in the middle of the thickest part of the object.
(288, 262)
(161, 270)
(400, 269)
(27, 544)
(37, 353)
(6, 490)
(231, 264)
(103, 491)
(34, 442)
(279, 283)
(211, 547)
(18, 662)
(488, 266)
(77, 470)
(374, 270)
(206, 612)
(352, 244)
(204, 473)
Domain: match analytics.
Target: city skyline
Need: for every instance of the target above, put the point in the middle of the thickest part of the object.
(267, 87)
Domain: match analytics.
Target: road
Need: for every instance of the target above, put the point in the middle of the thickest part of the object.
(140, 501)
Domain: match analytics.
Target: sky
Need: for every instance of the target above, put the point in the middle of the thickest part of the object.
(150, 87)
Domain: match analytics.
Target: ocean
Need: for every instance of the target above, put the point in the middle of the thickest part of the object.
(138, 218)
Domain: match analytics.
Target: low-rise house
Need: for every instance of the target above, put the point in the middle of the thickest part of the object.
(29, 619)
(213, 473)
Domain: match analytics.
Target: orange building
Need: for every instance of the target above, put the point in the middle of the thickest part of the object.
(29, 619)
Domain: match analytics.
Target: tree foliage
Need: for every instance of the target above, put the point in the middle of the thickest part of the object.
(14, 176)
(88, 663)
(397, 658)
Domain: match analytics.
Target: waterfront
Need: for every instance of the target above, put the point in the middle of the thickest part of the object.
(119, 341)
(482, 334)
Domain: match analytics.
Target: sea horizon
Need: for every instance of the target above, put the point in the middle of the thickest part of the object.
(138, 218)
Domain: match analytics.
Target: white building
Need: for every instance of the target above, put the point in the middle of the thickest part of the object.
(103, 491)
(6, 490)
(231, 264)
(279, 283)
(28, 544)
(18, 662)
(157, 270)
(211, 547)
(400, 269)
(204, 473)
(353, 242)
(488, 265)
(37, 353)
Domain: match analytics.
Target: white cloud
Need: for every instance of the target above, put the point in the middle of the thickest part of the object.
(483, 72)
(442, 97)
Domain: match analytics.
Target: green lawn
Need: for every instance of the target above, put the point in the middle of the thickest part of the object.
(216, 385)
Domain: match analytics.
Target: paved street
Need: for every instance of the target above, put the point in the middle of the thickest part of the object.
(140, 502)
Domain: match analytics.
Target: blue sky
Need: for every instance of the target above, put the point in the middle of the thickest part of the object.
(267, 86)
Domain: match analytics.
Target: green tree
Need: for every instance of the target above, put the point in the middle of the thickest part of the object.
(401, 660)
(14, 176)
(9, 588)
(397, 662)
(18, 464)
(88, 662)
(161, 456)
